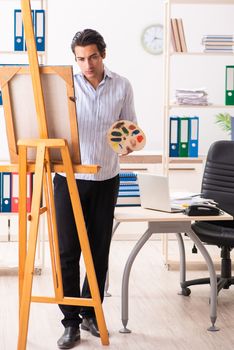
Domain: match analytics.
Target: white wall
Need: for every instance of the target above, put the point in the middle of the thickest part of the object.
(121, 23)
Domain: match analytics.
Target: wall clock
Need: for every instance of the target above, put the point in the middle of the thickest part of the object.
(152, 39)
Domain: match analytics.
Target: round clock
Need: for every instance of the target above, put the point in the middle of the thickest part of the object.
(152, 39)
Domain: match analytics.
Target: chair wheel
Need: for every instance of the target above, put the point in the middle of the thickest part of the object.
(185, 291)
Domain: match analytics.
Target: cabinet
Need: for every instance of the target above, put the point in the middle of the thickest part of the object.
(196, 69)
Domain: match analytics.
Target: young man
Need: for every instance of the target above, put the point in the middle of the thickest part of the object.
(102, 98)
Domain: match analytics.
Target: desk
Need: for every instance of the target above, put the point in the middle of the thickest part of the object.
(161, 222)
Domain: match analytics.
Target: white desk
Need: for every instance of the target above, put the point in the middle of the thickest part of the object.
(160, 222)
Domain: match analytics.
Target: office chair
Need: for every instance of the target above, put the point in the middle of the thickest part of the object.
(218, 184)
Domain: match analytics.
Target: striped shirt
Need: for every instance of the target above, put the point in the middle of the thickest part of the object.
(97, 110)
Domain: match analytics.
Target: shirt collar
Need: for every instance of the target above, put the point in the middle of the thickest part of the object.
(107, 73)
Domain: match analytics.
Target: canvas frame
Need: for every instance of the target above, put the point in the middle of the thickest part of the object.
(20, 112)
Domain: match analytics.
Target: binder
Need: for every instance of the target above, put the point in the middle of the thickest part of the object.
(15, 193)
(29, 191)
(33, 21)
(40, 29)
(18, 31)
(0, 192)
(183, 136)
(174, 137)
(0, 98)
(193, 136)
(6, 192)
(229, 94)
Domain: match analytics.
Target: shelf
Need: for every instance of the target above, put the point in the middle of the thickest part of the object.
(202, 53)
(200, 107)
(202, 2)
(183, 160)
(40, 53)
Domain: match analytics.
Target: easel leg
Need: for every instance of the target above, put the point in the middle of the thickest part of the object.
(30, 259)
(85, 247)
(53, 234)
(22, 216)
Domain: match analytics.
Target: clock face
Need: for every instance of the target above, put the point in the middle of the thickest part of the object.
(152, 39)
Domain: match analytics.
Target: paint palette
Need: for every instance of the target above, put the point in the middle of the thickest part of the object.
(124, 136)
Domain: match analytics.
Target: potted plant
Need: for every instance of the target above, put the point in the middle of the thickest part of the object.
(225, 121)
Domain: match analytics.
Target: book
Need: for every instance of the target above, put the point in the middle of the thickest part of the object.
(173, 38)
(176, 34)
(129, 199)
(181, 34)
(219, 43)
(129, 176)
(128, 188)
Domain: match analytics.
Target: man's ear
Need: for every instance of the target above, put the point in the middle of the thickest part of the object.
(103, 55)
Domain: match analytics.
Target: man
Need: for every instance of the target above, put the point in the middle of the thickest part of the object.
(102, 97)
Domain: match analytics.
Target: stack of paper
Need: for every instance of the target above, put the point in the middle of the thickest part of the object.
(191, 97)
(184, 200)
(218, 43)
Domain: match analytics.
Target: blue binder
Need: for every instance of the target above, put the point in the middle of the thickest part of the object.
(6, 192)
(33, 21)
(0, 98)
(174, 136)
(40, 29)
(193, 136)
(18, 31)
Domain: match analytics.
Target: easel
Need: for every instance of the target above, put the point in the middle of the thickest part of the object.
(43, 169)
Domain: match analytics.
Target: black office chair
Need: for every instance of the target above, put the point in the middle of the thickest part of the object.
(218, 184)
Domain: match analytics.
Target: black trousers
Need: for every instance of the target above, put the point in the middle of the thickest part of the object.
(98, 200)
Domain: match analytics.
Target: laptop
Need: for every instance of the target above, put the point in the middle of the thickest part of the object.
(154, 193)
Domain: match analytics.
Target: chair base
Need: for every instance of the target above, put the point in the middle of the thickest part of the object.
(222, 283)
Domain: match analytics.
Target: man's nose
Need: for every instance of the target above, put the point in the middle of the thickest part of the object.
(88, 63)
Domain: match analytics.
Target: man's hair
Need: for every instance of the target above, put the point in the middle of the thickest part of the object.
(88, 37)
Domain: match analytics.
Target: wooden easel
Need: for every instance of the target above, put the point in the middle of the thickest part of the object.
(43, 169)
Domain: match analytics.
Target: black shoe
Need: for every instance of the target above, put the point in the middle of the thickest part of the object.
(90, 324)
(69, 338)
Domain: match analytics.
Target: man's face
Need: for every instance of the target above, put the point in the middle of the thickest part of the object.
(90, 61)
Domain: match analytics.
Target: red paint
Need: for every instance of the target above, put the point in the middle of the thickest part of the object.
(140, 138)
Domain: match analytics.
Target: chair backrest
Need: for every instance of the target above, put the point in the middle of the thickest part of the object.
(218, 177)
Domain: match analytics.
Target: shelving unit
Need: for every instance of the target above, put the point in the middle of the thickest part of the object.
(168, 105)
(9, 221)
(168, 56)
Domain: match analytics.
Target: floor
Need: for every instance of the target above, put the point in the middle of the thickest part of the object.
(159, 318)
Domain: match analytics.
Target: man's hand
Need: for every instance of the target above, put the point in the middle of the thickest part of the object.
(128, 150)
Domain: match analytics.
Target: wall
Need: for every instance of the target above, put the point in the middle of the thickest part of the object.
(121, 23)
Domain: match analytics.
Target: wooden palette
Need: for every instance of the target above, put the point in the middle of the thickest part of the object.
(124, 135)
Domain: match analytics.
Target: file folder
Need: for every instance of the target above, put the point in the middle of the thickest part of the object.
(18, 31)
(0, 98)
(32, 13)
(174, 137)
(6, 192)
(40, 29)
(229, 94)
(0, 192)
(29, 191)
(183, 137)
(193, 136)
(15, 193)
